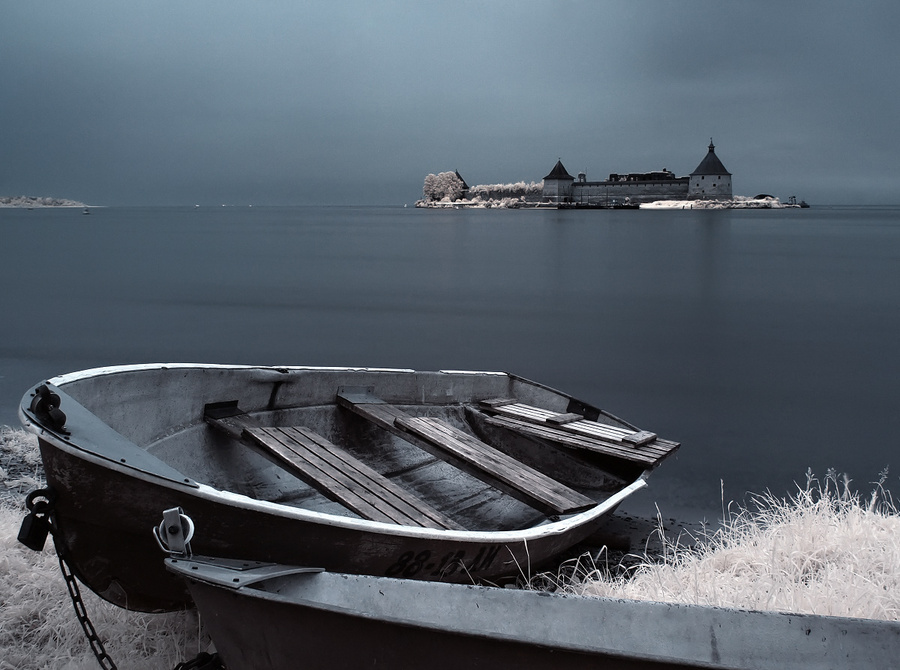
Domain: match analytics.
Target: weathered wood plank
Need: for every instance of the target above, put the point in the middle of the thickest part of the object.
(640, 438)
(567, 417)
(488, 469)
(574, 423)
(574, 441)
(318, 474)
(544, 492)
(497, 402)
(381, 414)
(349, 478)
(331, 470)
(227, 418)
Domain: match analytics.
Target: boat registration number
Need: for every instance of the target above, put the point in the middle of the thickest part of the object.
(412, 563)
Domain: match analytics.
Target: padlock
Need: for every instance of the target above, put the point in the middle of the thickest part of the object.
(34, 530)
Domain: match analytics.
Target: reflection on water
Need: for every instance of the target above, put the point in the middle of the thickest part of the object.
(762, 340)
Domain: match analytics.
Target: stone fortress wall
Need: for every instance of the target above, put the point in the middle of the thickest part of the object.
(635, 191)
(710, 181)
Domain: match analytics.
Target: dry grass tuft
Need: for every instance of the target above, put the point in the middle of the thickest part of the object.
(20, 463)
(38, 627)
(826, 550)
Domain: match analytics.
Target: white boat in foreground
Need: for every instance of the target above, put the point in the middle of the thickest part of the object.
(444, 476)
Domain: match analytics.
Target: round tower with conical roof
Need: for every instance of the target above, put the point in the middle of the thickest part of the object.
(710, 180)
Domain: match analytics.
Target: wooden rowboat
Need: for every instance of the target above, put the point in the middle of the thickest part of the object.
(273, 617)
(446, 476)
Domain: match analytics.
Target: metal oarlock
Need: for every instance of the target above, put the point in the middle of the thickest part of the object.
(175, 532)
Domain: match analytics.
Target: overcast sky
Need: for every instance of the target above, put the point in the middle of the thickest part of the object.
(288, 102)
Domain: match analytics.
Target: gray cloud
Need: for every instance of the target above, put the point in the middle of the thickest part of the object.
(356, 102)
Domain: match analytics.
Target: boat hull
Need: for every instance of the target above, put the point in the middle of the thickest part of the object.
(326, 620)
(103, 520)
(135, 442)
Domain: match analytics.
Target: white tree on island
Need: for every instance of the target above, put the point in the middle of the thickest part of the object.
(442, 185)
(447, 189)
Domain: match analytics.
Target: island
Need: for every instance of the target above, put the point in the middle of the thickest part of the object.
(707, 187)
(30, 201)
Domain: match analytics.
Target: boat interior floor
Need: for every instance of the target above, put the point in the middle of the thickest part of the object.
(375, 492)
(343, 478)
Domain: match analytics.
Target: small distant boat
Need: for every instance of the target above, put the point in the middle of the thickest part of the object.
(447, 476)
(86, 211)
(269, 617)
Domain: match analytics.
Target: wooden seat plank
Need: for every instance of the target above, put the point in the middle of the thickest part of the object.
(640, 438)
(644, 456)
(318, 473)
(572, 422)
(470, 455)
(566, 417)
(571, 440)
(381, 414)
(334, 472)
(349, 479)
(497, 402)
(547, 493)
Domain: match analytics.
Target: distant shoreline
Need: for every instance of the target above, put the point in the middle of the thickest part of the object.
(30, 201)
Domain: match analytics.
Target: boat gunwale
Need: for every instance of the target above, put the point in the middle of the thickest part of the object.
(79, 375)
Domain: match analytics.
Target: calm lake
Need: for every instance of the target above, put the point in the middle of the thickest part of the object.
(765, 341)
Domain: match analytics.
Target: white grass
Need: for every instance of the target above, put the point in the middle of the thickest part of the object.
(38, 627)
(20, 462)
(826, 550)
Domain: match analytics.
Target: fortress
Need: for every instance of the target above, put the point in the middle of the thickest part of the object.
(710, 181)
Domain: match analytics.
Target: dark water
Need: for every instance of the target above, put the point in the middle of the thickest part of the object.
(764, 341)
